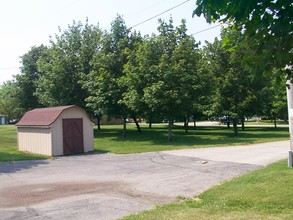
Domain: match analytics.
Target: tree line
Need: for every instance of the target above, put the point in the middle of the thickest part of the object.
(119, 73)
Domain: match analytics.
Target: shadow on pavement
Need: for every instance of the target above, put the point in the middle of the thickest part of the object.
(16, 166)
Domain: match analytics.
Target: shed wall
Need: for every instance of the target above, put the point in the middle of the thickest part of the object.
(57, 133)
(35, 140)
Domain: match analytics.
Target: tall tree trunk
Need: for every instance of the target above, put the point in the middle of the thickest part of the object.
(150, 123)
(186, 125)
(275, 121)
(137, 124)
(170, 124)
(194, 123)
(99, 122)
(235, 128)
(242, 123)
(124, 127)
(228, 121)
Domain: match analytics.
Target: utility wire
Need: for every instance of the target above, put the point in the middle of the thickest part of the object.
(206, 29)
(8, 68)
(176, 6)
(59, 10)
(146, 9)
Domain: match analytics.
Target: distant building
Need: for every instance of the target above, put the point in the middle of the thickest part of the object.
(2, 120)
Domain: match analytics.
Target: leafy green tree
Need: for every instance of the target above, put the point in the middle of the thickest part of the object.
(279, 105)
(176, 76)
(267, 26)
(141, 72)
(239, 83)
(215, 61)
(274, 99)
(66, 62)
(205, 84)
(237, 89)
(135, 40)
(193, 82)
(26, 81)
(161, 75)
(8, 101)
(102, 84)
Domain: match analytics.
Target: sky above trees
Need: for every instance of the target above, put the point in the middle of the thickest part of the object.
(30, 23)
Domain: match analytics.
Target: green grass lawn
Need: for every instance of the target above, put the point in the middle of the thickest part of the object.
(8, 146)
(266, 122)
(110, 139)
(263, 194)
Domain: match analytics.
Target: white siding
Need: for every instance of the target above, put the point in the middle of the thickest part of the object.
(57, 138)
(35, 140)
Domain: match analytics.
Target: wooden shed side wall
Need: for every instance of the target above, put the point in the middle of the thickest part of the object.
(35, 140)
(57, 132)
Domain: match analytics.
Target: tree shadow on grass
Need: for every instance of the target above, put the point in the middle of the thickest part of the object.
(200, 137)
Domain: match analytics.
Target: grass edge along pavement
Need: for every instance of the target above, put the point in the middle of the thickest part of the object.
(110, 140)
(266, 193)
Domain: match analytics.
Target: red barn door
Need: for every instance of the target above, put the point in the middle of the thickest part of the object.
(72, 136)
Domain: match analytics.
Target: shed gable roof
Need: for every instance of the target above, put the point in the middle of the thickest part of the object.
(42, 116)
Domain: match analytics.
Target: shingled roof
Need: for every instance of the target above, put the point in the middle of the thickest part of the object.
(42, 116)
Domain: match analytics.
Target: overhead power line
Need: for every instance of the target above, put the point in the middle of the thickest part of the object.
(59, 10)
(146, 9)
(8, 68)
(176, 6)
(206, 29)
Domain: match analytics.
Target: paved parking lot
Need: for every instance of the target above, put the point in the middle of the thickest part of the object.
(107, 186)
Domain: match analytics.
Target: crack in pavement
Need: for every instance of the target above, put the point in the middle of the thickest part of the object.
(31, 211)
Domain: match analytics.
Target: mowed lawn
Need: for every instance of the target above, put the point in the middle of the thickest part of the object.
(109, 139)
(262, 194)
(8, 146)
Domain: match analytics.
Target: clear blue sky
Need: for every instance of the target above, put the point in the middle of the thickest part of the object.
(27, 23)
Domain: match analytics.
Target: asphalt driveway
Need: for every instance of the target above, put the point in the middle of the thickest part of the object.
(107, 186)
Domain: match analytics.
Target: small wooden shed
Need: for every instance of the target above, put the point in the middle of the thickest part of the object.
(54, 131)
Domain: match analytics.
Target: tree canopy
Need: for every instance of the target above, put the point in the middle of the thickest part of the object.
(65, 62)
(266, 24)
(26, 82)
(8, 101)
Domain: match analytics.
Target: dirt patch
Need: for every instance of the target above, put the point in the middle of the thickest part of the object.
(25, 195)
